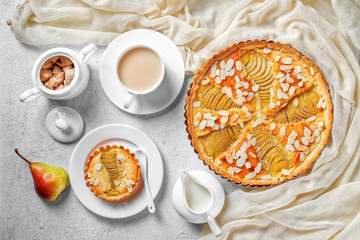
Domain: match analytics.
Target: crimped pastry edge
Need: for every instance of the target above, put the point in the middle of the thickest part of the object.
(294, 54)
(94, 189)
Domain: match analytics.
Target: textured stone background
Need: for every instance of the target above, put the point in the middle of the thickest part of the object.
(23, 215)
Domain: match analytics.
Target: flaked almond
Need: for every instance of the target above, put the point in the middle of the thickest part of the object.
(88, 174)
(229, 158)
(236, 169)
(120, 157)
(292, 90)
(206, 81)
(197, 119)
(207, 115)
(301, 83)
(202, 124)
(222, 125)
(210, 123)
(297, 144)
(320, 102)
(96, 182)
(196, 104)
(266, 177)
(312, 71)
(256, 88)
(302, 156)
(286, 60)
(248, 165)
(239, 101)
(129, 183)
(229, 64)
(231, 171)
(98, 166)
(277, 58)
(280, 75)
(297, 70)
(222, 64)
(116, 183)
(229, 93)
(218, 80)
(238, 65)
(252, 154)
(305, 141)
(266, 50)
(285, 172)
(286, 67)
(257, 168)
(310, 119)
(234, 117)
(224, 113)
(282, 131)
(246, 85)
(289, 147)
(241, 123)
(250, 96)
(272, 126)
(296, 102)
(250, 175)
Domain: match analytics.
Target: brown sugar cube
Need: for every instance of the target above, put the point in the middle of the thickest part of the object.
(54, 59)
(56, 70)
(47, 65)
(61, 86)
(54, 82)
(60, 77)
(67, 67)
(69, 76)
(65, 61)
(48, 85)
(45, 75)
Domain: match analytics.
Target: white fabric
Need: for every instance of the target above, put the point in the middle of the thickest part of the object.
(321, 205)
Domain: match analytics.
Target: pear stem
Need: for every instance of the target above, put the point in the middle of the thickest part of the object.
(17, 152)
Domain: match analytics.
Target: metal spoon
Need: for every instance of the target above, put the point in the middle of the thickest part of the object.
(151, 205)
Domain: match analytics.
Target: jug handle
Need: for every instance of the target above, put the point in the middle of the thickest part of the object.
(87, 52)
(214, 226)
(29, 94)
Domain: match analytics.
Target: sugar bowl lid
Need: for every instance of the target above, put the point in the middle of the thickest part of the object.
(64, 124)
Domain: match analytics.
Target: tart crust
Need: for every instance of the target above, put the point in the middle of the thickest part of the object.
(315, 82)
(112, 173)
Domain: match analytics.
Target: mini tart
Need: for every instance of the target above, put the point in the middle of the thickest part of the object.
(112, 173)
(258, 113)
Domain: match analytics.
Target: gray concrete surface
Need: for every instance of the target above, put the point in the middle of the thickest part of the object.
(23, 215)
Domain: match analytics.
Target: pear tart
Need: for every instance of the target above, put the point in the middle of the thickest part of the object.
(259, 113)
(112, 173)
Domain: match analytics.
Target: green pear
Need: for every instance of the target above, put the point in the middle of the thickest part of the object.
(49, 181)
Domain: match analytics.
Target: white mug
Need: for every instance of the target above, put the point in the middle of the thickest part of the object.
(77, 85)
(132, 94)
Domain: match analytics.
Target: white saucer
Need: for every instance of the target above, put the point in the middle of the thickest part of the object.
(168, 90)
(130, 138)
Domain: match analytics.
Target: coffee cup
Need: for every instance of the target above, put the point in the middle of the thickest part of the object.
(140, 71)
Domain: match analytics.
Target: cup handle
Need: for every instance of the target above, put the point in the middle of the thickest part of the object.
(29, 94)
(214, 226)
(129, 99)
(87, 52)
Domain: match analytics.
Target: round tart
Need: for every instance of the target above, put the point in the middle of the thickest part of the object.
(112, 173)
(259, 113)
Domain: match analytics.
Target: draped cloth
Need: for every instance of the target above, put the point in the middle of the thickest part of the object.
(323, 203)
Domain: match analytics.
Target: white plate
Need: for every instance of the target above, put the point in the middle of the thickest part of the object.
(167, 91)
(130, 138)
